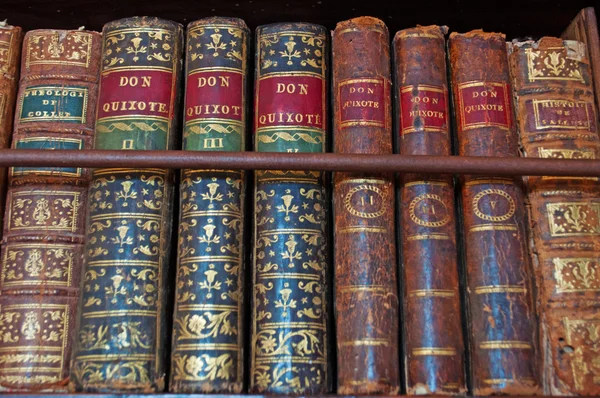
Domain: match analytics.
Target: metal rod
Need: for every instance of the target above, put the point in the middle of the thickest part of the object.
(301, 161)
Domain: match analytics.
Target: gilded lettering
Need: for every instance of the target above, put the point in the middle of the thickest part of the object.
(292, 88)
(284, 117)
(134, 81)
(211, 143)
(116, 106)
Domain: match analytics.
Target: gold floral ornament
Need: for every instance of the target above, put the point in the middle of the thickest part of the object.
(554, 63)
(209, 237)
(287, 206)
(206, 325)
(8, 319)
(216, 44)
(34, 264)
(210, 283)
(584, 335)
(203, 367)
(285, 302)
(31, 326)
(290, 51)
(55, 48)
(212, 194)
(136, 48)
(122, 238)
(126, 193)
(41, 213)
(129, 335)
(576, 274)
(116, 289)
(291, 253)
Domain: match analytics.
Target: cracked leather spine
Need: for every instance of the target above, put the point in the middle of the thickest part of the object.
(501, 318)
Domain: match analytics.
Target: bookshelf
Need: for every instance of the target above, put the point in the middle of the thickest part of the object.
(516, 19)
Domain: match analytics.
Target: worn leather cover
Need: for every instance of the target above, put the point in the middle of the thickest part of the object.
(289, 348)
(45, 218)
(366, 296)
(121, 338)
(500, 310)
(557, 120)
(209, 329)
(432, 329)
(584, 28)
(11, 38)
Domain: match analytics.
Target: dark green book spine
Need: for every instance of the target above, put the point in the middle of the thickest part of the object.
(289, 319)
(208, 329)
(121, 334)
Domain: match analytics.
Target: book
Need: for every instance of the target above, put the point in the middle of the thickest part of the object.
(289, 327)
(501, 323)
(121, 337)
(366, 288)
(432, 328)
(557, 120)
(11, 38)
(208, 332)
(584, 28)
(45, 222)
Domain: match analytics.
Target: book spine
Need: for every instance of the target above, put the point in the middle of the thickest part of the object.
(121, 335)
(366, 290)
(557, 120)
(500, 311)
(584, 28)
(208, 333)
(434, 348)
(45, 222)
(11, 38)
(290, 264)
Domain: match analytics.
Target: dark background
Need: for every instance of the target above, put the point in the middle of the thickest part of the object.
(517, 19)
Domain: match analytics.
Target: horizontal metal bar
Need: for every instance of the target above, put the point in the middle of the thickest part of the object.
(301, 161)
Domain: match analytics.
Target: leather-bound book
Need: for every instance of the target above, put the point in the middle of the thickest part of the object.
(557, 120)
(208, 328)
(11, 38)
(584, 28)
(432, 329)
(366, 289)
(44, 226)
(501, 324)
(121, 337)
(289, 352)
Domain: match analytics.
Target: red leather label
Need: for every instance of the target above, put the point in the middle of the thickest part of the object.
(561, 114)
(484, 104)
(136, 92)
(423, 108)
(362, 102)
(214, 95)
(290, 101)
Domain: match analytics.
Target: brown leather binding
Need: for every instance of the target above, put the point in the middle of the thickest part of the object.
(434, 349)
(365, 251)
(584, 28)
(500, 311)
(44, 224)
(11, 38)
(557, 120)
